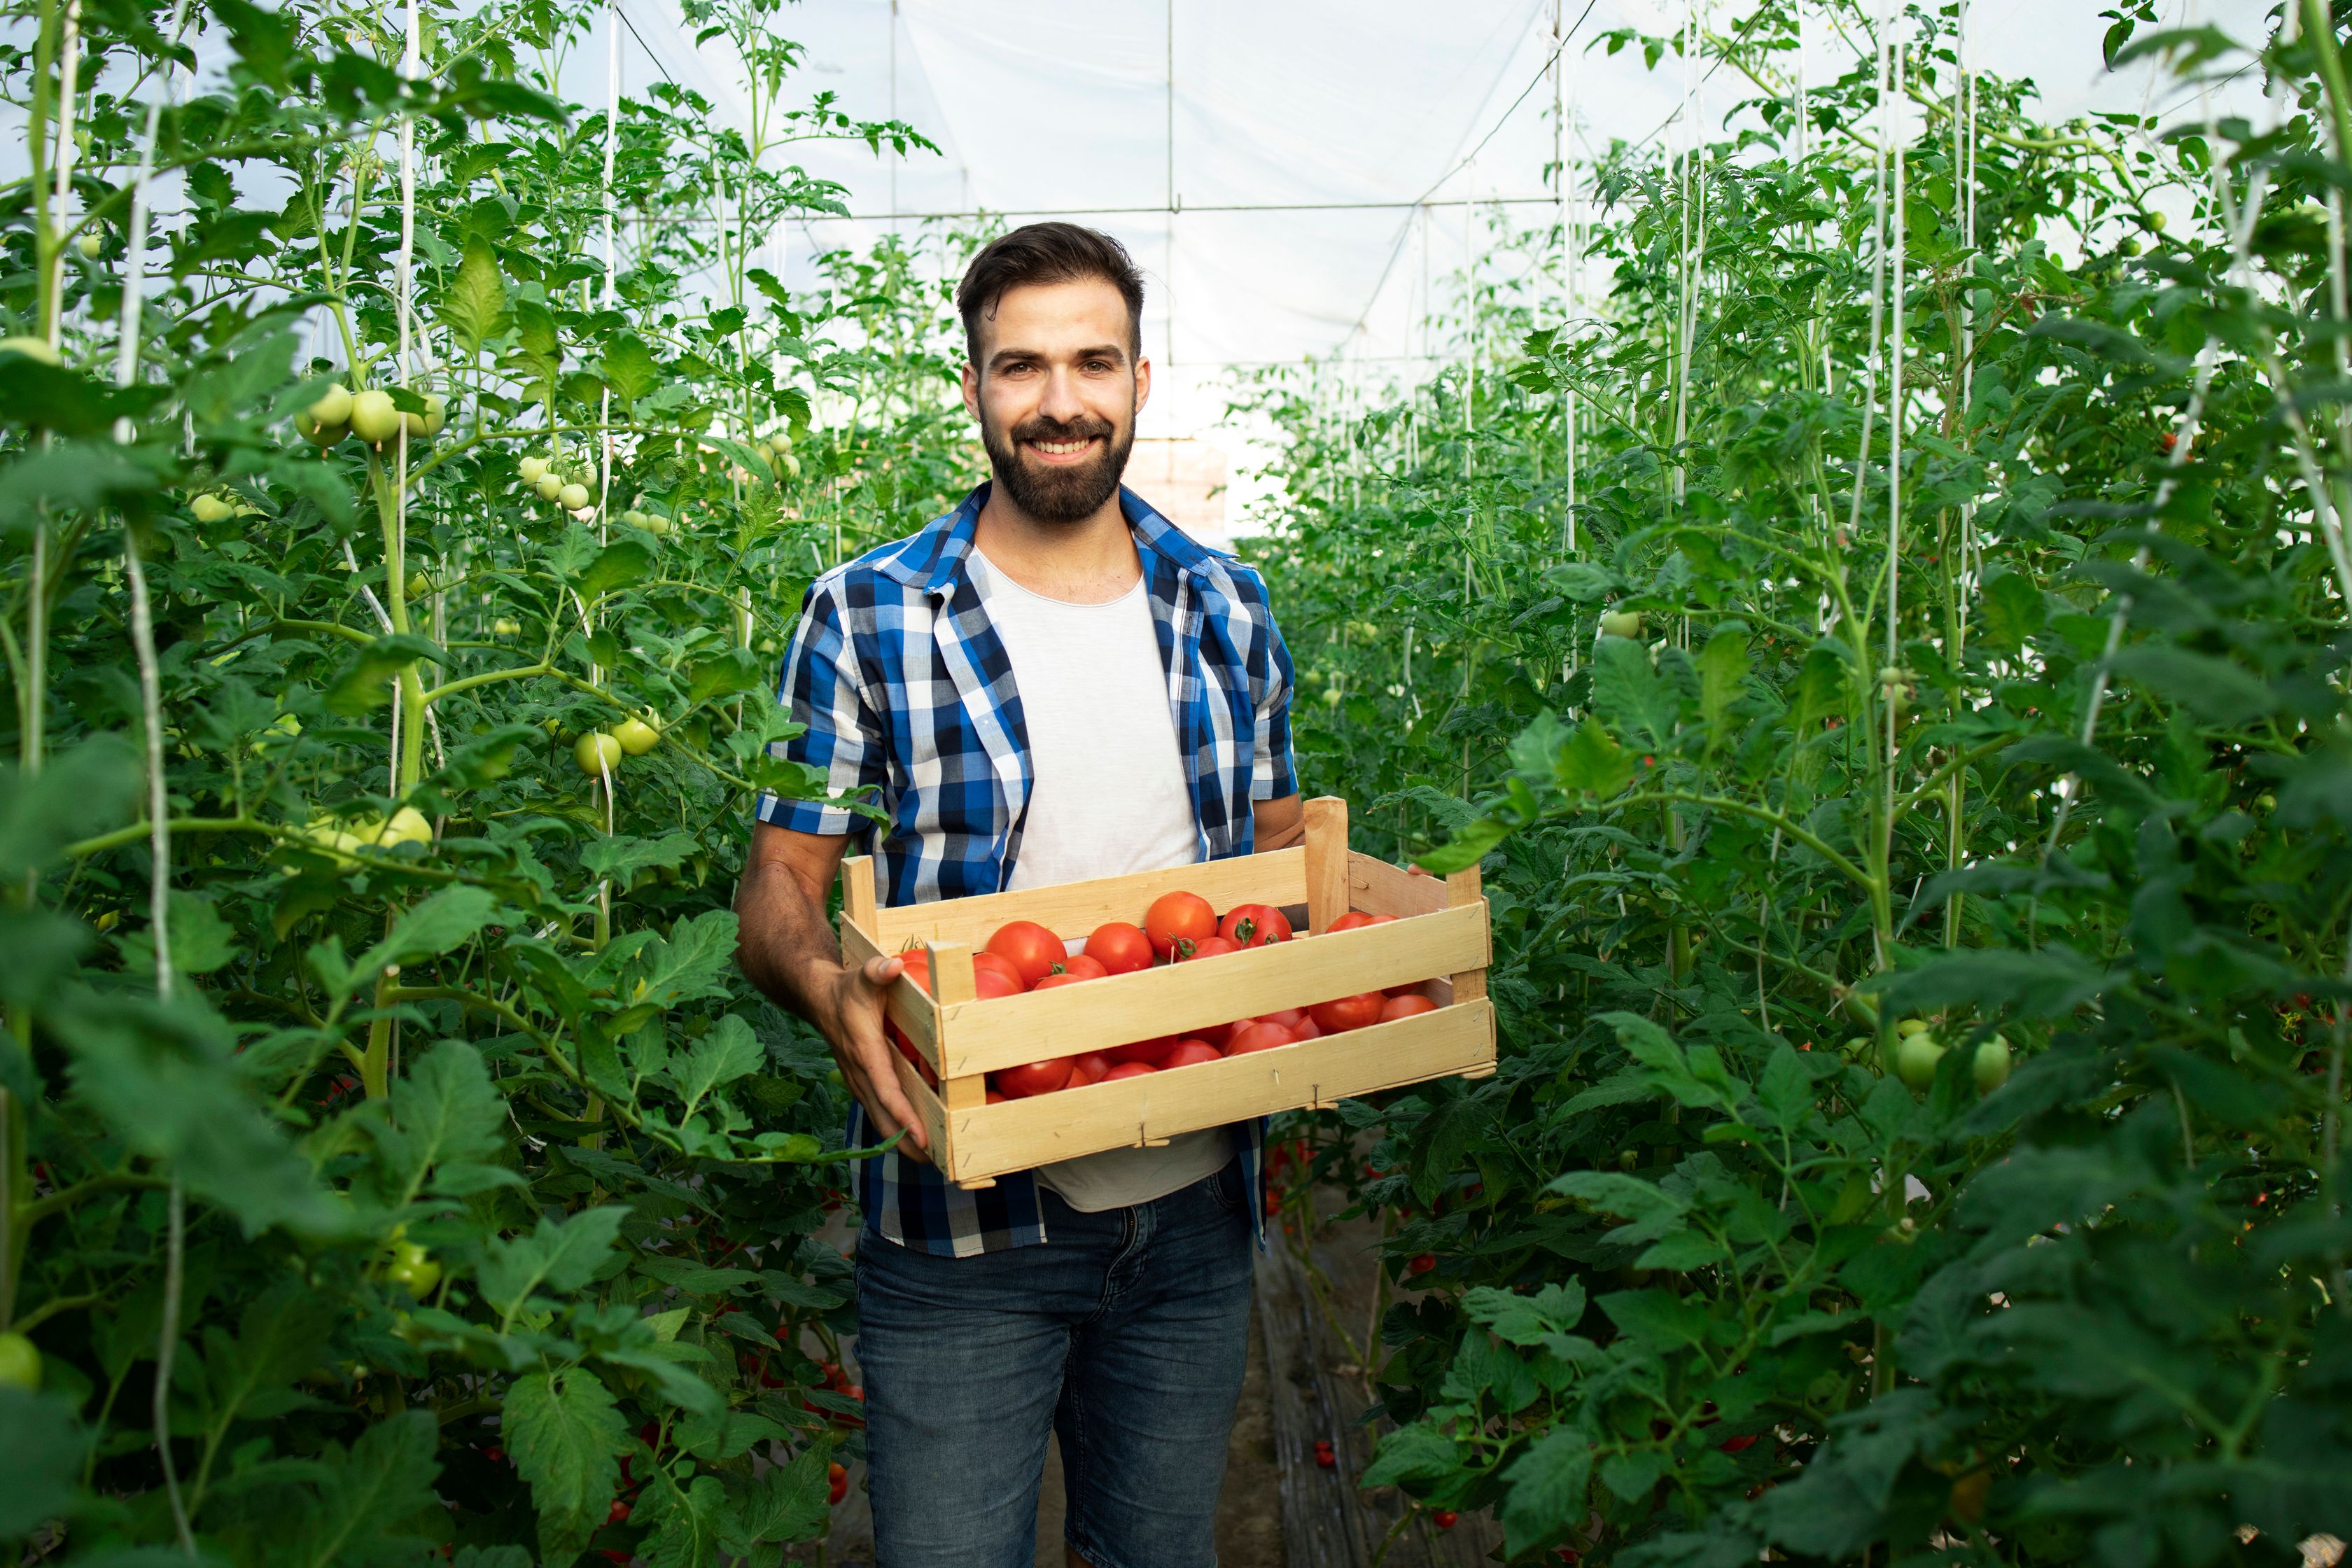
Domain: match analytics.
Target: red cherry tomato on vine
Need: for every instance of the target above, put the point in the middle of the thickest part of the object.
(1029, 947)
(1120, 948)
(1421, 1264)
(1444, 1519)
(619, 1512)
(1175, 921)
(1738, 1445)
(1255, 925)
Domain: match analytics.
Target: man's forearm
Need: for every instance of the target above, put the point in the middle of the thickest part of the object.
(783, 943)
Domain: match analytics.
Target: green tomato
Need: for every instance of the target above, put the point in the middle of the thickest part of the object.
(210, 508)
(419, 585)
(412, 1270)
(1621, 622)
(373, 419)
(633, 518)
(636, 736)
(1912, 1026)
(572, 497)
(532, 468)
(1915, 1057)
(597, 754)
(333, 409)
(91, 246)
(781, 442)
(657, 524)
(20, 1362)
(549, 486)
(505, 628)
(1991, 1065)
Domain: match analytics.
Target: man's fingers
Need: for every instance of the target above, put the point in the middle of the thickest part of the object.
(884, 1100)
(880, 972)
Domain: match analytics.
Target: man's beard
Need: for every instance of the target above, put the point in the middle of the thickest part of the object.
(1055, 494)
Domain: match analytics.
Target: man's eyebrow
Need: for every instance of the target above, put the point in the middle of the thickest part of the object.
(1002, 357)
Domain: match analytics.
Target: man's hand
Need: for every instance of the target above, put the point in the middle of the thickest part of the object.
(847, 1010)
(789, 952)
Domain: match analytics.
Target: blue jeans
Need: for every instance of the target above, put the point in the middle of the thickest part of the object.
(1126, 1333)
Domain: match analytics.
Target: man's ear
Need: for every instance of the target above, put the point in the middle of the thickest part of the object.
(1142, 384)
(971, 391)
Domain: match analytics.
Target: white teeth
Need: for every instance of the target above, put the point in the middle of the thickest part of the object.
(1060, 449)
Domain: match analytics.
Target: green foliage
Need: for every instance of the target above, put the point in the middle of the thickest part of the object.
(476, 1188)
(1711, 1284)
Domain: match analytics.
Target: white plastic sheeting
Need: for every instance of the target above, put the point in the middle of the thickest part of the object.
(1297, 176)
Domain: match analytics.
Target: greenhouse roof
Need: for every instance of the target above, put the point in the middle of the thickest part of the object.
(1297, 177)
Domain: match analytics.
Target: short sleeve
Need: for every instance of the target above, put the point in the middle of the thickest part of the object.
(1273, 772)
(842, 738)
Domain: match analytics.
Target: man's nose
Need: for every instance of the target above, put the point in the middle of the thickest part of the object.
(1061, 401)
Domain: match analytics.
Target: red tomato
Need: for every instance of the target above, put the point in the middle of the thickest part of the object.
(619, 1512)
(983, 960)
(987, 984)
(1421, 1264)
(1346, 1013)
(1290, 1018)
(1148, 1052)
(1089, 1069)
(1188, 1053)
(1356, 920)
(1210, 947)
(1029, 947)
(1222, 1035)
(1262, 1037)
(996, 1098)
(1310, 1031)
(1175, 921)
(1254, 925)
(1445, 1518)
(1406, 1006)
(1031, 1078)
(1051, 981)
(1120, 948)
(1079, 966)
(1128, 1070)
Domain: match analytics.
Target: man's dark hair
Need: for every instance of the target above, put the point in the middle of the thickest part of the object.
(1047, 253)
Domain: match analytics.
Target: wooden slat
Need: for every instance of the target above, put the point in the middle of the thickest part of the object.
(1378, 888)
(907, 1004)
(1462, 890)
(928, 1108)
(982, 1037)
(857, 900)
(1326, 862)
(1074, 910)
(1020, 1135)
(952, 981)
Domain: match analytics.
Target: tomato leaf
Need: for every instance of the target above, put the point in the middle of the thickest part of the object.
(566, 1436)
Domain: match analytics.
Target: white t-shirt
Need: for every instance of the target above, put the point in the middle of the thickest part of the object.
(1106, 796)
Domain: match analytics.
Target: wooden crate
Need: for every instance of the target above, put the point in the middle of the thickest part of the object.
(1440, 939)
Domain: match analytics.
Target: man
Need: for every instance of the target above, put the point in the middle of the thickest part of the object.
(1050, 683)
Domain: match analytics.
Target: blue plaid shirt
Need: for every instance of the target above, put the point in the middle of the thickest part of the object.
(907, 691)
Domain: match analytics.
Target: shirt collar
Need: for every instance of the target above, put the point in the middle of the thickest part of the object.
(936, 560)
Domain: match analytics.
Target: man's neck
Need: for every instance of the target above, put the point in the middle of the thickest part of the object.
(1090, 561)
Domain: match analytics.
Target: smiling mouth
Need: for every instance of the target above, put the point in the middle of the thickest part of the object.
(1063, 451)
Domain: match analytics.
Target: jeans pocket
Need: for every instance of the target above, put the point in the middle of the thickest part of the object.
(1225, 1188)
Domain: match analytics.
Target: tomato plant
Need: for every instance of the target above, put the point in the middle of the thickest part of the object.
(1813, 728)
(391, 623)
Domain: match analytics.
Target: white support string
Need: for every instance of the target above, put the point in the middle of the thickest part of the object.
(612, 135)
(61, 208)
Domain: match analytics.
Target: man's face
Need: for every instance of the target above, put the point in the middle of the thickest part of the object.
(1056, 392)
